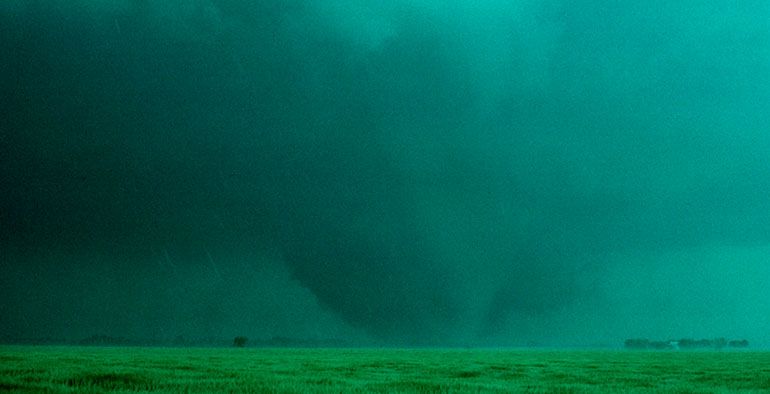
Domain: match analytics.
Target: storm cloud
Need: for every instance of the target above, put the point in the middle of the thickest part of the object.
(414, 172)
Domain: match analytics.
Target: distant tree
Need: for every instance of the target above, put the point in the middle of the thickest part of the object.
(660, 345)
(637, 343)
(686, 343)
(719, 343)
(738, 343)
(240, 341)
(704, 343)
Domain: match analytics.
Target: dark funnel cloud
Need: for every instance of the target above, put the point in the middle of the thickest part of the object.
(406, 173)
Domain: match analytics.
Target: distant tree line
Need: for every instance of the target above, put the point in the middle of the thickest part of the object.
(685, 343)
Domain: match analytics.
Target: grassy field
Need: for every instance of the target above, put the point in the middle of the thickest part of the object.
(95, 370)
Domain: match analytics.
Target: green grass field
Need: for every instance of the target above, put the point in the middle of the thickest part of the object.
(199, 370)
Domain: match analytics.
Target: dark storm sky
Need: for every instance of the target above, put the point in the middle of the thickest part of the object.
(413, 172)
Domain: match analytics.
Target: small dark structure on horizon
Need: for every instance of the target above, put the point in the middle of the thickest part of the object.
(240, 341)
(106, 340)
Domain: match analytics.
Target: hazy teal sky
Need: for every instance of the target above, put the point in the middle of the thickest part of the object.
(403, 172)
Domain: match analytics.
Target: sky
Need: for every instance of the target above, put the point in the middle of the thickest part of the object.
(411, 173)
